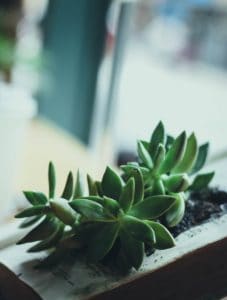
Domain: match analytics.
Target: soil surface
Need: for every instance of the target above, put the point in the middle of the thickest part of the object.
(200, 207)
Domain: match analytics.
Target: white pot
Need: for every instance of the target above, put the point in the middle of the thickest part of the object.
(16, 110)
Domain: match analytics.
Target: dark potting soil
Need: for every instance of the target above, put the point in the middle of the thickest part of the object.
(200, 207)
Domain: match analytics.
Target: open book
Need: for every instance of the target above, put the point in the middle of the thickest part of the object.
(79, 281)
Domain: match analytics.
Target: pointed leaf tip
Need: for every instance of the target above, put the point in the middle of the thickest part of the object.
(79, 189)
(152, 207)
(138, 229)
(92, 187)
(68, 189)
(35, 198)
(33, 211)
(111, 184)
(189, 157)
(158, 137)
(164, 239)
(201, 181)
(201, 158)
(175, 154)
(50, 242)
(52, 180)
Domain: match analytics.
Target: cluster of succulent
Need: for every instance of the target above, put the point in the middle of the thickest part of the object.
(122, 215)
(169, 167)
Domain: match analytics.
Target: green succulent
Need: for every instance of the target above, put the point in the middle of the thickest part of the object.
(50, 225)
(169, 166)
(116, 214)
(122, 215)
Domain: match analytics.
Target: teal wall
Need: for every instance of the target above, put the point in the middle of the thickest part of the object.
(74, 33)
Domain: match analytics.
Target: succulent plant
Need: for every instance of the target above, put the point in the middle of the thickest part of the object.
(50, 222)
(117, 212)
(167, 165)
(121, 215)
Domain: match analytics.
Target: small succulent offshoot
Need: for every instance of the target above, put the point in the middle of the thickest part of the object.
(120, 215)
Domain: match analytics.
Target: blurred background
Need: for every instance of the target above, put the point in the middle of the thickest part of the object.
(100, 74)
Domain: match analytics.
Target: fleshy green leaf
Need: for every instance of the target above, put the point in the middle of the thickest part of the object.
(129, 168)
(144, 171)
(99, 188)
(92, 188)
(164, 239)
(78, 190)
(102, 241)
(42, 231)
(33, 211)
(133, 164)
(174, 155)
(201, 181)
(138, 229)
(152, 207)
(68, 189)
(52, 180)
(29, 195)
(159, 156)
(201, 158)
(158, 188)
(144, 155)
(61, 253)
(189, 156)
(122, 262)
(169, 142)
(50, 242)
(35, 198)
(127, 195)
(176, 212)
(111, 184)
(30, 221)
(111, 207)
(139, 185)
(97, 199)
(176, 183)
(87, 230)
(133, 249)
(145, 144)
(88, 208)
(148, 192)
(158, 137)
(63, 211)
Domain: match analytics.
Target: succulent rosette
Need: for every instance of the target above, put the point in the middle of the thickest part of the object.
(121, 215)
(169, 167)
